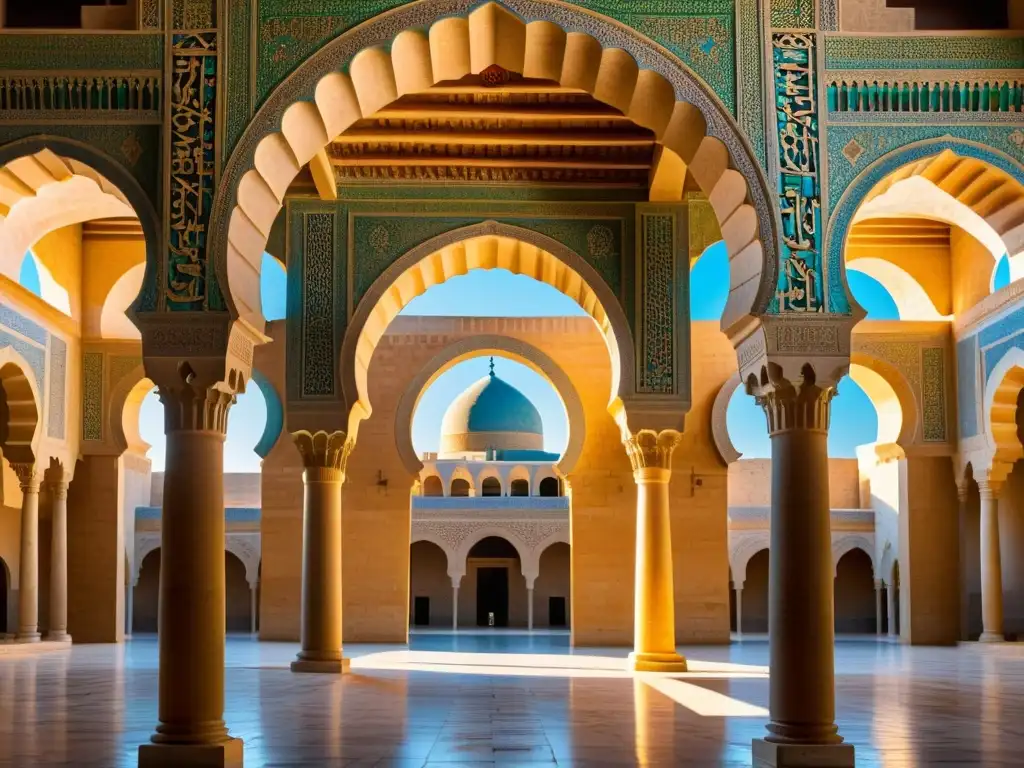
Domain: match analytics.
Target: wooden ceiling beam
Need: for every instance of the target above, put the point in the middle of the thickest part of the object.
(481, 138)
(485, 162)
(426, 110)
(323, 176)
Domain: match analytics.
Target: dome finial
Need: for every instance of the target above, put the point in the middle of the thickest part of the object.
(492, 367)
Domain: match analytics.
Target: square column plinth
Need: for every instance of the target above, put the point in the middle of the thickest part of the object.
(335, 666)
(768, 754)
(227, 754)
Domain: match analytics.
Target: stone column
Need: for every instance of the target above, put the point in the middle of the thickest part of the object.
(28, 572)
(739, 611)
(890, 594)
(529, 608)
(991, 565)
(253, 604)
(654, 623)
(962, 489)
(878, 607)
(456, 580)
(323, 457)
(59, 562)
(800, 602)
(129, 608)
(192, 591)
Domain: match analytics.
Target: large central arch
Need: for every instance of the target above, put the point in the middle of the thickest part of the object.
(485, 246)
(377, 62)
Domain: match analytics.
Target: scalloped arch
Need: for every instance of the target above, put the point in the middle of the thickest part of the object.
(1001, 396)
(21, 399)
(891, 395)
(988, 182)
(573, 47)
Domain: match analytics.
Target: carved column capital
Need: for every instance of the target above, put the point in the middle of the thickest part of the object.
(650, 453)
(990, 490)
(324, 454)
(192, 407)
(29, 477)
(801, 405)
(57, 479)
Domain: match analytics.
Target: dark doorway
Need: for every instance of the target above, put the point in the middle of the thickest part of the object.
(421, 611)
(556, 611)
(492, 597)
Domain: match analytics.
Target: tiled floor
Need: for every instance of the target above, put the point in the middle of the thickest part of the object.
(515, 700)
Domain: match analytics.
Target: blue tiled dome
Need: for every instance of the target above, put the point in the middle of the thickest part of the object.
(491, 405)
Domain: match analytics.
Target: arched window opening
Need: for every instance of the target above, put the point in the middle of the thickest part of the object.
(520, 488)
(460, 488)
(550, 486)
(755, 594)
(854, 591)
(273, 289)
(432, 486)
(491, 486)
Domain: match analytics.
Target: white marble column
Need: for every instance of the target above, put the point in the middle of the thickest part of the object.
(801, 625)
(991, 565)
(28, 571)
(456, 580)
(739, 611)
(58, 630)
(129, 607)
(878, 607)
(891, 598)
(253, 605)
(529, 608)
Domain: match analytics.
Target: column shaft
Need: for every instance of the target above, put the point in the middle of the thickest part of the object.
(59, 565)
(891, 600)
(129, 608)
(252, 608)
(529, 608)
(455, 607)
(800, 612)
(739, 611)
(321, 572)
(878, 608)
(654, 623)
(28, 570)
(991, 568)
(192, 591)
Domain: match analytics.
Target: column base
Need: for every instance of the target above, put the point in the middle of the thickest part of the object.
(769, 754)
(992, 637)
(227, 754)
(58, 637)
(657, 662)
(28, 637)
(330, 666)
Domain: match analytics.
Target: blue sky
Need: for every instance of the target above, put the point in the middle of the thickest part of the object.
(497, 293)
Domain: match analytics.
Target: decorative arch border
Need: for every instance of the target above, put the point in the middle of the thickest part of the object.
(1000, 407)
(475, 536)
(246, 547)
(461, 473)
(118, 400)
(845, 543)
(894, 379)
(476, 346)
(275, 414)
(486, 473)
(720, 423)
(24, 407)
(319, 100)
(117, 175)
(744, 550)
(439, 542)
(619, 338)
(841, 219)
(557, 537)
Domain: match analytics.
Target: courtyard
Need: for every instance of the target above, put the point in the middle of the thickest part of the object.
(517, 699)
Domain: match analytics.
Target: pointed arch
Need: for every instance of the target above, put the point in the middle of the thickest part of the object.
(20, 428)
(1000, 407)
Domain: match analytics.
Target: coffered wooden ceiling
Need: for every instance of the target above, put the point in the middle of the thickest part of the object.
(514, 131)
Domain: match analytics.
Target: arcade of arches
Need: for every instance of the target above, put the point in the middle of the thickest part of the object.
(149, 165)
